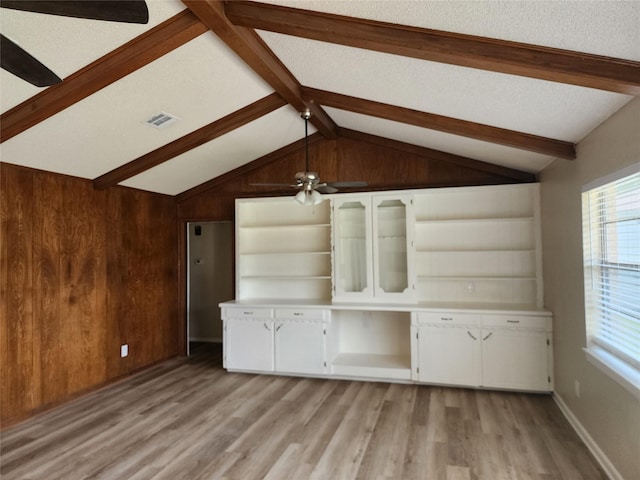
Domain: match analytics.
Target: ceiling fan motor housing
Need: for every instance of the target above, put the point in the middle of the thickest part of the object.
(307, 179)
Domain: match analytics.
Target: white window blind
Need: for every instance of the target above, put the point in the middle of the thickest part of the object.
(611, 234)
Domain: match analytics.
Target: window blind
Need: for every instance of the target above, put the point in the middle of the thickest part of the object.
(611, 234)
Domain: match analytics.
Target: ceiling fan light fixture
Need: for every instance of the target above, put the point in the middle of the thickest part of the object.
(308, 197)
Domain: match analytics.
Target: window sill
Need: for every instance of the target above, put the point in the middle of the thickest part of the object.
(623, 373)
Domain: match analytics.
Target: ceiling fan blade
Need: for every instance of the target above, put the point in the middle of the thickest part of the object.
(126, 11)
(326, 189)
(16, 60)
(346, 184)
(273, 185)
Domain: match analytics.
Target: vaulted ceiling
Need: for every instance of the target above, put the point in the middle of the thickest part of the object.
(512, 84)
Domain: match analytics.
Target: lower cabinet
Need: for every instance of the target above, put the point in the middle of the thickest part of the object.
(491, 351)
(300, 341)
(482, 349)
(275, 340)
(516, 353)
(248, 339)
(448, 349)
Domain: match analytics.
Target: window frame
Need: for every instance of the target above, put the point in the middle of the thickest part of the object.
(617, 365)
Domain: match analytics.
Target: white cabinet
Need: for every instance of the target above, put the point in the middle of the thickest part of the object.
(373, 247)
(283, 250)
(449, 349)
(352, 248)
(248, 339)
(516, 353)
(283, 340)
(509, 351)
(300, 340)
(479, 245)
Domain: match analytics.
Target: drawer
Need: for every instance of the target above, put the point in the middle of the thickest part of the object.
(538, 322)
(449, 318)
(301, 313)
(246, 312)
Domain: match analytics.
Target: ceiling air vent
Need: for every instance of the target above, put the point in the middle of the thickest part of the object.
(161, 120)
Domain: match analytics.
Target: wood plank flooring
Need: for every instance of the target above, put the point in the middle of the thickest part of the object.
(189, 419)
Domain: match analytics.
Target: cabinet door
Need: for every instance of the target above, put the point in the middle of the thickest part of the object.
(392, 247)
(249, 344)
(449, 355)
(515, 359)
(352, 269)
(300, 346)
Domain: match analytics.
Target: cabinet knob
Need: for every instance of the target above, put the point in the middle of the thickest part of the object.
(490, 333)
(471, 335)
(446, 319)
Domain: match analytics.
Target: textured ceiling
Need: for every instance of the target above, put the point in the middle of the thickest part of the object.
(203, 81)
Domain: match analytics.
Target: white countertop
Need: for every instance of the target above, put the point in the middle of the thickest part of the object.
(381, 306)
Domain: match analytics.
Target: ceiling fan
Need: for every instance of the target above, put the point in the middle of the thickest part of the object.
(307, 182)
(16, 60)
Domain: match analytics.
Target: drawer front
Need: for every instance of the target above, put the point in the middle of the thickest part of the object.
(246, 312)
(449, 318)
(301, 313)
(540, 322)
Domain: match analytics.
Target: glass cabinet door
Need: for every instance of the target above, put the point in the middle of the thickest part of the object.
(353, 248)
(392, 246)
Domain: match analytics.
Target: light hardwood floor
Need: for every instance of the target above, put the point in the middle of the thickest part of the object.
(189, 419)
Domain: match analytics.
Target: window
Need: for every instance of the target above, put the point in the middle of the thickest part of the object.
(611, 242)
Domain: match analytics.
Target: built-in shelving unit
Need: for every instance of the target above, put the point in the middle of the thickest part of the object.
(478, 245)
(284, 250)
(439, 286)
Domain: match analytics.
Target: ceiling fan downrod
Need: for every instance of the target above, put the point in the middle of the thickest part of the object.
(306, 115)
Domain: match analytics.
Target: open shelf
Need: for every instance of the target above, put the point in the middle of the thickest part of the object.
(286, 265)
(290, 287)
(476, 203)
(374, 344)
(280, 212)
(478, 245)
(495, 290)
(372, 365)
(283, 249)
(287, 226)
(286, 277)
(476, 264)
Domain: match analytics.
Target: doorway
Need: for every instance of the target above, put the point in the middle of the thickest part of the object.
(209, 280)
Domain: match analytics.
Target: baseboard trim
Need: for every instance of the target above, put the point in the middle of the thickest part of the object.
(593, 447)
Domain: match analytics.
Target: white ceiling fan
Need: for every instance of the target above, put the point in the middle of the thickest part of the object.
(307, 182)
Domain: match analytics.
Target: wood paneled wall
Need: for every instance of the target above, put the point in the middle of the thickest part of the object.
(344, 159)
(82, 271)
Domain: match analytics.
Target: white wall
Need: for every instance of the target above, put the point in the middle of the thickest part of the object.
(609, 413)
(210, 278)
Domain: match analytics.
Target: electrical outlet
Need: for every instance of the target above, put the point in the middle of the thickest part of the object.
(576, 386)
(124, 350)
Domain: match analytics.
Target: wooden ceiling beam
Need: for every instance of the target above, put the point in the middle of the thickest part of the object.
(133, 55)
(556, 65)
(509, 173)
(188, 142)
(478, 131)
(251, 48)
